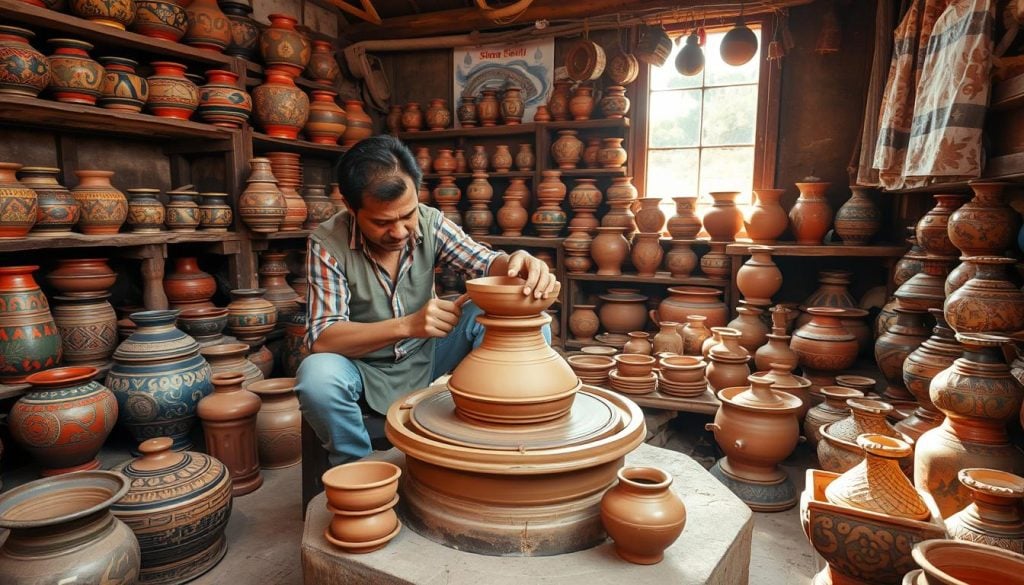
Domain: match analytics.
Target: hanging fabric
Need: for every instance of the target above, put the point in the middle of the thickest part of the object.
(866, 174)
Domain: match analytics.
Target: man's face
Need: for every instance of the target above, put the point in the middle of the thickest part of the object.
(388, 226)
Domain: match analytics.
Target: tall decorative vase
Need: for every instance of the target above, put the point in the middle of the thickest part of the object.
(123, 88)
(229, 425)
(811, 215)
(262, 205)
(767, 219)
(283, 48)
(29, 338)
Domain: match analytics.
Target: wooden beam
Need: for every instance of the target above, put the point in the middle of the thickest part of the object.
(367, 13)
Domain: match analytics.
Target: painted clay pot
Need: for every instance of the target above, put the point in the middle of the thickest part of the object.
(621, 189)
(319, 207)
(104, 209)
(833, 291)
(88, 328)
(614, 103)
(115, 14)
(58, 210)
(684, 301)
(29, 338)
(649, 217)
(205, 325)
(146, 215)
(859, 219)
(295, 348)
(811, 215)
(684, 224)
(215, 214)
(187, 286)
(278, 423)
(488, 108)
(512, 216)
(728, 360)
(558, 103)
(283, 48)
(524, 157)
(327, 121)
(932, 230)
(642, 514)
(280, 107)
(190, 493)
(937, 353)
(90, 275)
(994, 515)
(74, 77)
(158, 377)
(986, 225)
(262, 206)
(715, 263)
(229, 425)
(123, 88)
(910, 263)
(250, 316)
(681, 260)
(623, 312)
(904, 336)
(837, 448)
(512, 108)
(759, 278)
(620, 215)
(825, 347)
(444, 163)
(926, 289)
(222, 102)
(423, 160)
(160, 19)
(19, 204)
(611, 155)
(61, 530)
(647, 253)
(589, 159)
(577, 250)
(273, 271)
(584, 323)
(230, 357)
(467, 112)
(23, 70)
(208, 28)
(877, 484)
(767, 219)
(954, 562)
(724, 220)
(64, 419)
(447, 195)
(567, 149)
(609, 250)
(694, 333)
(359, 124)
(171, 94)
(987, 303)
(584, 199)
(323, 67)
(956, 278)
(182, 211)
(412, 117)
(581, 105)
(833, 409)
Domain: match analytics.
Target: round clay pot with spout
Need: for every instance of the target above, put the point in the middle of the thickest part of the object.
(642, 514)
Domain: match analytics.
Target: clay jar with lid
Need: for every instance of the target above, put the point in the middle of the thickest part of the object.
(825, 347)
(834, 408)
(724, 220)
(609, 250)
(811, 215)
(29, 338)
(728, 360)
(759, 278)
(191, 493)
(986, 225)
(229, 425)
(937, 353)
(642, 514)
(19, 202)
(684, 301)
(988, 302)
(767, 219)
(623, 312)
(785, 380)
(901, 338)
(994, 515)
(104, 209)
(837, 447)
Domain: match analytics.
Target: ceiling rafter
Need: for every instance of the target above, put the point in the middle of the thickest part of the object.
(367, 12)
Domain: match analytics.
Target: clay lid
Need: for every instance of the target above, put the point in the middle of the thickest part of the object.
(156, 455)
(61, 377)
(760, 396)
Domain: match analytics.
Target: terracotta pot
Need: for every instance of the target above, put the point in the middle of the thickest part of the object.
(589, 158)
(621, 189)
(988, 302)
(694, 334)
(994, 515)
(146, 215)
(327, 121)
(684, 301)
(393, 121)
(750, 324)
(668, 338)
(74, 77)
(262, 206)
(502, 159)
(577, 250)
(171, 94)
(245, 35)
(775, 351)
(681, 261)
(639, 343)
(715, 263)
(23, 69)
(558, 103)
(512, 216)
(859, 219)
(946, 562)
(728, 360)
(956, 278)
(29, 338)
(824, 346)
(767, 219)
(979, 395)
(61, 529)
(832, 292)
(64, 419)
(278, 423)
(837, 447)
(208, 27)
(620, 215)
(614, 104)
(318, 206)
(467, 113)
(229, 425)
(478, 160)
(512, 107)
(910, 263)
(986, 225)
(323, 67)
(412, 117)
(567, 149)
(182, 211)
(57, 209)
(611, 155)
(122, 88)
(649, 217)
(642, 514)
(584, 323)
(724, 220)
(447, 195)
(904, 336)
(488, 109)
(230, 358)
(623, 312)
(273, 270)
(280, 108)
(784, 380)
(646, 253)
(91, 275)
(215, 214)
(117, 14)
(811, 215)
(19, 203)
(158, 378)
(926, 289)
(877, 484)
(360, 125)
(250, 316)
(187, 286)
(524, 157)
(759, 278)
(833, 409)
(88, 328)
(262, 357)
(222, 102)
(364, 531)
(584, 199)
(192, 491)
(609, 250)
(283, 48)
(205, 325)
(932, 230)
(361, 486)
(937, 353)
(295, 348)
(581, 105)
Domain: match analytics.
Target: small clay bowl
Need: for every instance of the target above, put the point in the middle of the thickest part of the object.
(590, 364)
(631, 365)
(502, 296)
(682, 369)
(361, 547)
(203, 321)
(599, 350)
(361, 485)
(364, 526)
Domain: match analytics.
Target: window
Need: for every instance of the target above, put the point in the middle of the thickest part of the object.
(702, 129)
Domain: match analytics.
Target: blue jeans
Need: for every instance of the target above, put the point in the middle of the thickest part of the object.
(329, 387)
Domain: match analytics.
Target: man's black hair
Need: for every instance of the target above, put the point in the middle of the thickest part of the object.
(376, 167)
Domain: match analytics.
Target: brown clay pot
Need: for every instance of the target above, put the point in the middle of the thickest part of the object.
(953, 562)
(262, 205)
(623, 312)
(986, 225)
(57, 210)
(681, 260)
(684, 224)
(811, 215)
(647, 253)
(994, 515)
(104, 208)
(988, 302)
(89, 275)
(877, 484)
(910, 263)
(278, 423)
(775, 351)
(558, 103)
(229, 425)
(754, 333)
(767, 219)
(581, 105)
(724, 220)
(584, 323)
(208, 27)
(230, 358)
(609, 250)
(327, 121)
(937, 353)
(182, 212)
(466, 113)
(412, 117)
(642, 514)
(283, 48)
(932, 230)
(488, 109)
(859, 219)
(824, 346)
(250, 316)
(29, 338)
(784, 380)
(359, 124)
(279, 106)
(187, 286)
(759, 278)
(611, 155)
(512, 107)
(584, 199)
(833, 409)
(926, 289)
(567, 149)
(684, 301)
(88, 328)
(512, 217)
(323, 67)
(19, 203)
(694, 334)
(904, 336)
(668, 339)
(649, 217)
(74, 77)
(171, 94)
(715, 263)
(25, 71)
(614, 103)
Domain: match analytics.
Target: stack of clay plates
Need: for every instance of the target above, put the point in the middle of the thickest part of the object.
(633, 385)
(683, 389)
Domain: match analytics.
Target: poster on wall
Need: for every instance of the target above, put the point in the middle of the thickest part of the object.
(529, 66)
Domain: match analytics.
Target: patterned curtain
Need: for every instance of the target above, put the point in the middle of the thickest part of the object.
(866, 174)
(937, 93)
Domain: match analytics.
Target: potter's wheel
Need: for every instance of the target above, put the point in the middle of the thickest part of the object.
(591, 418)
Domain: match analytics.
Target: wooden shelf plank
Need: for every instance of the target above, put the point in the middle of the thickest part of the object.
(617, 172)
(834, 250)
(477, 132)
(126, 240)
(34, 112)
(289, 235)
(21, 13)
(1008, 94)
(263, 143)
(521, 241)
(659, 278)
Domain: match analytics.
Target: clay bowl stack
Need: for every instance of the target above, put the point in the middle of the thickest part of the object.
(633, 374)
(362, 497)
(682, 375)
(591, 369)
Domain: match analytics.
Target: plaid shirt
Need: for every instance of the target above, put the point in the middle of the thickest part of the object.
(328, 292)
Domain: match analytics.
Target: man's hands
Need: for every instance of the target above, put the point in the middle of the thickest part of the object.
(436, 318)
(539, 280)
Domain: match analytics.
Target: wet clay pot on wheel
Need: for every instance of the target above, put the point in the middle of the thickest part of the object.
(642, 514)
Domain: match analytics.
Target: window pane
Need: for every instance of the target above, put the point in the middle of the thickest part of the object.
(674, 119)
(727, 169)
(729, 114)
(666, 76)
(672, 173)
(717, 72)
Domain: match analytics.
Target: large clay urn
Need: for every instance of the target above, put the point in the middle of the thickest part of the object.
(360, 125)
(832, 292)
(104, 209)
(23, 70)
(229, 425)
(19, 203)
(57, 210)
(187, 286)
(757, 428)
(62, 531)
(622, 312)
(158, 377)
(987, 303)
(609, 250)
(767, 219)
(191, 493)
(88, 328)
(208, 28)
(64, 419)
(279, 106)
(937, 353)
(684, 224)
(262, 205)
(901, 338)
(825, 347)
(642, 514)
(74, 77)
(284, 48)
(278, 423)
(724, 220)
(994, 516)
(833, 409)
(759, 278)
(171, 94)
(859, 219)
(986, 225)
(932, 230)
(811, 215)
(683, 301)
(979, 395)
(29, 338)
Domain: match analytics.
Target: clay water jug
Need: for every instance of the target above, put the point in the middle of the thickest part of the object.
(642, 514)
(767, 219)
(724, 220)
(811, 215)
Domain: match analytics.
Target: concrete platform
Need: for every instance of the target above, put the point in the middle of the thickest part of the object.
(714, 547)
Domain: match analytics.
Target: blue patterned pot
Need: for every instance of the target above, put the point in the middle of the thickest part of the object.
(159, 377)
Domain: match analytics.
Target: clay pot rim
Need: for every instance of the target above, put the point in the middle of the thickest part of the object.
(18, 269)
(639, 334)
(228, 379)
(841, 392)
(634, 359)
(272, 386)
(622, 298)
(357, 513)
(630, 475)
(682, 362)
(884, 446)
(382, 473)
(590, 362)
(857, 380)
(249, 292)
(992, 481)
(72, 297)
(695, 290)
(358, 547)
(154, 317)
(118, 487)
(202, 313)
(61, 377)
(870, 405)
(602, 350)
(40, 170)
(856, 313)
(225, 349)
(923, 552)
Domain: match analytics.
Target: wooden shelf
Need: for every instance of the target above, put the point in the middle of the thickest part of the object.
(36, 18)
(1008, 94)
(289, 235)
(521, 241)
(263, 143)
(617, 172)
(833, 250)
(478, 132)
(34, 112)
(659, 278)
(598, 123)
(125, 240)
